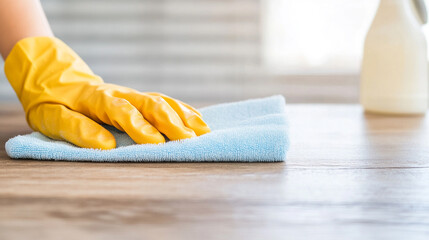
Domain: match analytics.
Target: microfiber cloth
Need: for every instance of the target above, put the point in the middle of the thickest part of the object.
(248, 131)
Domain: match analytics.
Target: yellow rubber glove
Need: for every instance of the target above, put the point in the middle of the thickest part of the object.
(65, 100)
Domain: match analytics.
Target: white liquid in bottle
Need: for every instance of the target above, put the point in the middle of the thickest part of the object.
(394, 68)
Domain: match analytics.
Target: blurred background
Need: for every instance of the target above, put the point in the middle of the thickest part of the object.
(211, 51)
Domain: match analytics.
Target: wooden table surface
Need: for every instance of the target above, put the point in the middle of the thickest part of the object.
(348, 175)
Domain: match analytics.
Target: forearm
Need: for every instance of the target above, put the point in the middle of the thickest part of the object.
(20, 19)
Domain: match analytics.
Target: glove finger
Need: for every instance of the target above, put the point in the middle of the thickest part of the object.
(124, 116)
(169, 99)
(189, 117)
(160, 114)
(58, 122)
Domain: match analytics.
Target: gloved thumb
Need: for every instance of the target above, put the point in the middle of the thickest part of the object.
(60, 123)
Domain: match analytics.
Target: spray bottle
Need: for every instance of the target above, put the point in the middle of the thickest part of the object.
(394, 78)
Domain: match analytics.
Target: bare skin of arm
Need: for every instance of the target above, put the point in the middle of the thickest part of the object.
(21, 19)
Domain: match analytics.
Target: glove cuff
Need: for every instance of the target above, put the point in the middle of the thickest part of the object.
(37, 64)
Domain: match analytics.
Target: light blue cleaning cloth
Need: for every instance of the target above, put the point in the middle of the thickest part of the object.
(248, 131)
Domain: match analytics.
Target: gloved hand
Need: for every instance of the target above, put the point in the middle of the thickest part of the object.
(65, 100)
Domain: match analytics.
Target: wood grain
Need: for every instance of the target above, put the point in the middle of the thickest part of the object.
(349, 175)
